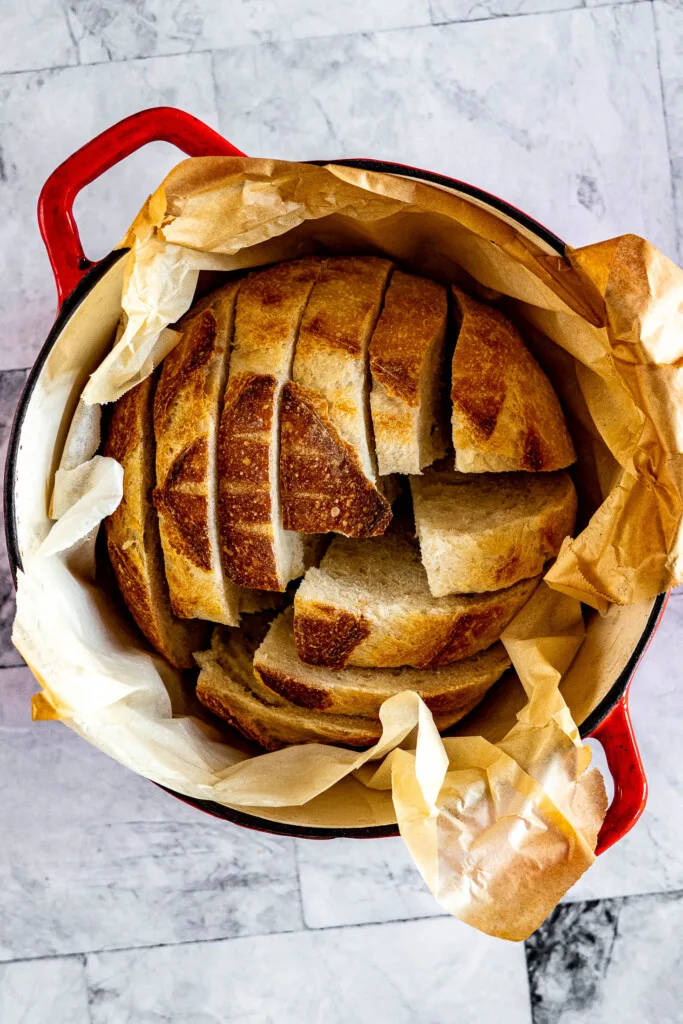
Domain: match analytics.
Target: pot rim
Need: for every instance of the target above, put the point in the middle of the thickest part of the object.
(88, 282)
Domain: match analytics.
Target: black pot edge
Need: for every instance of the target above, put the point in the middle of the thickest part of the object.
(85, 285)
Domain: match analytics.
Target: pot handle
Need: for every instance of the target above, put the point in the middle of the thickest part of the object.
(616, 735)
(55, 205)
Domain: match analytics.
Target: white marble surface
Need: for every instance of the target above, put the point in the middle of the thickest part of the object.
(44, 992)
(418, 971)
(119, 904)
(574, 136)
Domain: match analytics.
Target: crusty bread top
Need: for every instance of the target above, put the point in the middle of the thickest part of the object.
(369, 604)
(133, 532)
(362, 691)
(322, 485)
(414, 314)
(269, 309)
(186, 410)
(506, 415)
(331, 351)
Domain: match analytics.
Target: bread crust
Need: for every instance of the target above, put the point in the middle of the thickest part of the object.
(132, 532)
(506, 415)
(331, 351)
(322, 484)
(186, 412)
(451, 690)
(407, 363)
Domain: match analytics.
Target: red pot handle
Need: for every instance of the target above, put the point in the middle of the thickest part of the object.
(55, 205)
(616, 735)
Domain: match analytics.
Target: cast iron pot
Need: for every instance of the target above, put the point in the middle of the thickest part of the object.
(79, 281)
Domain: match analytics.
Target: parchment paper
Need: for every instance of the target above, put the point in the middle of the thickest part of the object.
(499, 831)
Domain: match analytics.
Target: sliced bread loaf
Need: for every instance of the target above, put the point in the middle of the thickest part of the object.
(323, 487)
(332, 348)
(186, 415)
(132, 532)
(481, 532)
(369, 604)
(228, 687)
(256, 551)
(506, 415)
(407, 356)
(450, 691)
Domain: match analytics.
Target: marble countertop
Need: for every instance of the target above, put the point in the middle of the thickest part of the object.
(119, 904)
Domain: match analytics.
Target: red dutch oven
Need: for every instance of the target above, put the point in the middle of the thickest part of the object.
(77, 278)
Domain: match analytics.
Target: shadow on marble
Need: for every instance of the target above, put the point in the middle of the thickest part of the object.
(428, 971)
(44, 992)
(93, 856)
(546, 111)
(669, 23)
(11, 385)
(609, 960)
(46, 116)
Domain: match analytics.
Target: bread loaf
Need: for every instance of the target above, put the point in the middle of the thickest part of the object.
(256, 551)
(451, 690)
(407, 357)
(369, 604)
(481, 532)
(186, 415)
(506, 415)
(132, 532)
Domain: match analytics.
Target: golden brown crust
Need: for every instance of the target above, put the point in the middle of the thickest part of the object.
(326, 635)
(414, 314)
(133, 534)
(322, 485)
(244, 499)
(186, 409)
(504, 407)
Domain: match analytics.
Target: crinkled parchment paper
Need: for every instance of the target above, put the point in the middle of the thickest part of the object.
(499, 831)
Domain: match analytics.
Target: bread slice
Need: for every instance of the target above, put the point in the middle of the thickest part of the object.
(132, 532)
(186, 415)
(369, 604)
(450, 691)
(323, 487)
(332, 348)
(228, 687)
(407, 360)
(256, 551)
(485, 532)
(506, 415)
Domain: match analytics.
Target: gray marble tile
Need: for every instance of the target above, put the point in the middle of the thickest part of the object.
(444, 11)
(420, 971)
(352, 881)
(44, 992)
(648, 859)
(94, 857)
(105, 31)
(609, 960)
(669, 23)
(11, 384)
(35, 35)
(547, 111)
(44, 117)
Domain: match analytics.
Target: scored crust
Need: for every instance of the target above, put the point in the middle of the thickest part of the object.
(332, 347)
(322, 484)
(132, 532)
(369, 604)
(186, 413)
(256, 551)
(450, 691)
(483, 531)
(506, 415)
(407, 357)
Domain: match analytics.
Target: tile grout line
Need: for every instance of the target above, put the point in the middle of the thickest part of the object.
(665, 115)
(578, 6)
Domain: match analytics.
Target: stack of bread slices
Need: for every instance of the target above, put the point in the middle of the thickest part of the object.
(297, 473)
